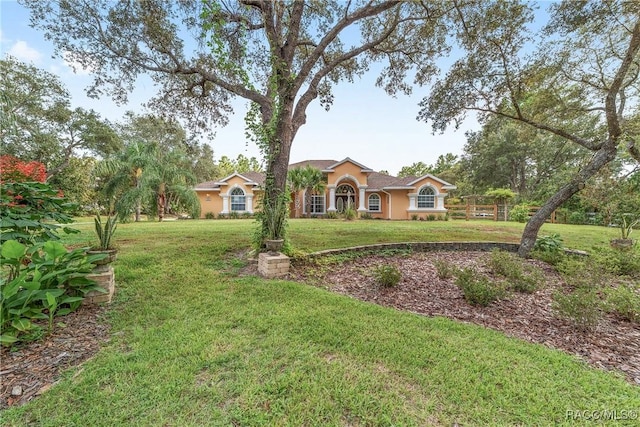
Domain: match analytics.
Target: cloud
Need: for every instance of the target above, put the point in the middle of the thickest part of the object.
(22, 51)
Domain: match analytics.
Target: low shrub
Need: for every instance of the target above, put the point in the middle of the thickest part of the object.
(431, 217)
(582, 307)
(331, 215)
(234, 215)
(528, 282)
(478, 290)
(39, 282)
(505, 264)
(366, 215)
(549, 249)
(210, 215)
(350, 214)
(578, 273)
(444, 269)
(414, 217)
(624, 300)
(618, 262)
(387, 276)
(519, 213)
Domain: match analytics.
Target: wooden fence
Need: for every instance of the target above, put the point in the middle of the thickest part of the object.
(489, 212)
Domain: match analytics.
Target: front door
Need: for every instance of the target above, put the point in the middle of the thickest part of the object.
(345, 197)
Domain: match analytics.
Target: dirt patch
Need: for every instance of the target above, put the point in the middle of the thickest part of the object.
(615, 345)
(30, 370)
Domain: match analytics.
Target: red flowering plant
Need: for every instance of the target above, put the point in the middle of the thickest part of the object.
(30, 209)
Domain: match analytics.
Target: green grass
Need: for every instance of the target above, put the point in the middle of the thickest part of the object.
(194, 345)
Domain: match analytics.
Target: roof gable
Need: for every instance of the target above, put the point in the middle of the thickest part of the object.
(445, 184)
(363, 168)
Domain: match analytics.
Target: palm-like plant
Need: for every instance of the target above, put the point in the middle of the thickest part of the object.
(146, 175)
(309, 179)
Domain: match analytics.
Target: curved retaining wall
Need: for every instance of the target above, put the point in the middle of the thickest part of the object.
(432, 247)
(425, 247)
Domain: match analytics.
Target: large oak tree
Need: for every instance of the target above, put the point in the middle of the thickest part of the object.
(280, 56)
(587, 65)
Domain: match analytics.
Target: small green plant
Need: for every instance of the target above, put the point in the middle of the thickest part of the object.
(105, 232)
(520, 277)
(528, 282)
(366, 215)
(445, 270)
(624, 300)
(582, 307)
(234, 215)
(551, 243)
(580, 273)
(431, 217)
(331, 215)
(387, 276)
(519, 213)
(621, 263)
(505, 264)
(210, 215)
(477, 289)
(627, 222)
(350, 213)
(38, 283)
(549, 249)
(414, 217)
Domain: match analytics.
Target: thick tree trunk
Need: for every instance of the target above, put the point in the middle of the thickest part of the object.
(601, 158)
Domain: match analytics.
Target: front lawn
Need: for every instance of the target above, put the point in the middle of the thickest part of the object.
(194, 344)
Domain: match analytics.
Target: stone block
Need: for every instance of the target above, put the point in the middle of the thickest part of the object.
(271, 266)
(105, 280)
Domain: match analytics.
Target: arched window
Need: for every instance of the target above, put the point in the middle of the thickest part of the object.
(374, 203)
(426, 198)
(238, 200)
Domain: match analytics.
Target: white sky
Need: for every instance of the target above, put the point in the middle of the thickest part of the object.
(364, 123)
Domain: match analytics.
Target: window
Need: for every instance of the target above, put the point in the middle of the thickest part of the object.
(426, 198)
(374, 203)
(317, 204)
(238, 200)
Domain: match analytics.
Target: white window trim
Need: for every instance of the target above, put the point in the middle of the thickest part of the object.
(379, 203)
(244, 197)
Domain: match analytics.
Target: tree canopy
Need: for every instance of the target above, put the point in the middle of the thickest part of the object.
(583, 71)
(45, 127)
(279, 56)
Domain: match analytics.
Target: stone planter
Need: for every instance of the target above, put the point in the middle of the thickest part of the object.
(104, 277)
(274, 246)
(622, 244)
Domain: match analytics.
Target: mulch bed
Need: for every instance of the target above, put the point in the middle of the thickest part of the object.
(615, 345)
(30, 370)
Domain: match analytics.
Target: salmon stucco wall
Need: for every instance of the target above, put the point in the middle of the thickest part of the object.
(347, 168)
(210, 202)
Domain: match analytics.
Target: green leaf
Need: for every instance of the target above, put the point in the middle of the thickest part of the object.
(51, 301)
(12, 249)
(7, 339)
(68, 300)
(54, 249)
(22, 325)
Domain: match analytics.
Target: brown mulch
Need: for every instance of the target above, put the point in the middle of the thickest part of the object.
(30, 370)
(615, 345)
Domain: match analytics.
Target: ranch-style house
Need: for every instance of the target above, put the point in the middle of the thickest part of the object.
(348, 184)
